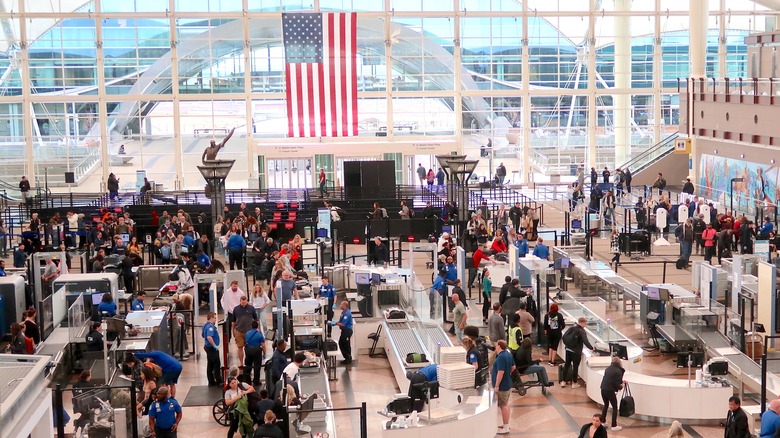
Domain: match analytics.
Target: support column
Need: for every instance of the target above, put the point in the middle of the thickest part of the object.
(105, 139)
(178, 159)
(525, 67)
(27, 122)
(698, 21)
(592, 95)
(657, 76)
(251, 153)
(622, 98)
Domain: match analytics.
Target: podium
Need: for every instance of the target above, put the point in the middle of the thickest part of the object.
(215, 172)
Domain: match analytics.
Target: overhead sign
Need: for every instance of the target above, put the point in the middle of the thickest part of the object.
(682, 146)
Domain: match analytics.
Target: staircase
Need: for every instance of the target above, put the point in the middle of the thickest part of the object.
(642, 161)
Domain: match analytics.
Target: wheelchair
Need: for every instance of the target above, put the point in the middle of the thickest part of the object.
(522, 386)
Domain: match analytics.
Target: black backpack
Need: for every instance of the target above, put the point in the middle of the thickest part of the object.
(570, 338)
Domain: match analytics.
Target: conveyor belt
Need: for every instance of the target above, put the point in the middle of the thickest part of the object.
(713, 339)
(404, 339)
(438, 335)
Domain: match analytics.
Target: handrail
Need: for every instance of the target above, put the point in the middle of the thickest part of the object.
(649, 154)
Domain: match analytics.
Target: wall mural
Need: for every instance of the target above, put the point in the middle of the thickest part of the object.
(760, 185)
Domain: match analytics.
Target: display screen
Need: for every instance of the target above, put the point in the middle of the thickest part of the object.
(376, 279)
(362, 278)
(562, 263)
(653, 293)
(97, 298)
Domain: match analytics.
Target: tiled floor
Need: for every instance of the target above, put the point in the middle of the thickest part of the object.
(558, 414)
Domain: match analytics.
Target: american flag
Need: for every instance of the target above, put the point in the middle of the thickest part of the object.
(321, 73)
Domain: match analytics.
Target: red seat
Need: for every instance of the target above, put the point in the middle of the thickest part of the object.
(294, 205)
(277, 216)
(280, 205)
(272, 225)
(292, 215)
(289, 225)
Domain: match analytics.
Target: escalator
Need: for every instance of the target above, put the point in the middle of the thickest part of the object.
(658, 158)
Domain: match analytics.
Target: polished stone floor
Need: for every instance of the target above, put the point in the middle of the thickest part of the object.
(558, 414)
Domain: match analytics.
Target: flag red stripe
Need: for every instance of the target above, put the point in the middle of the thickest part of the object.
(343, 85)
(310, 98)
(288, 92)
(332, 73)
(299, 100)
(353, 84)
(322, 91)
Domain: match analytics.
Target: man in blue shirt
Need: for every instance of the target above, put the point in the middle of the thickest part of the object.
(255, 350)
(138, 302)
(766, 228)
(236, 245)
(164, 415)
(522, 246)
(171, 368)
(425, 374)
(438, 288)
(345, 323)
(328, 291)
(501, 378)
(770, 420)
(211, 345)
(203, 260)
(541, 250)
(452, 271)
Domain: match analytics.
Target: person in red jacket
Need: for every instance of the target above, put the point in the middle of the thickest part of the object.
(498, 245)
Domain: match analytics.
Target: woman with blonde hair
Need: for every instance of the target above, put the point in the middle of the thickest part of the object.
(260, 302)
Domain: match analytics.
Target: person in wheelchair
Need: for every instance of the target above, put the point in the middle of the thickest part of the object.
(527, 365)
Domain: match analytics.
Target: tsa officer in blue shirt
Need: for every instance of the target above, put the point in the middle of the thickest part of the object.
(438, 287)
(345, 323)
(254, 352)
(452, 271)
(164, 415)
(107, 306)
(138, 302)
(211, 345)
(522, 246)
(541, 250)
(328, 291)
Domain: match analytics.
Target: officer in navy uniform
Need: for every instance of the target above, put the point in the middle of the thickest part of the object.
(138, 302)
(94, 338)
(211, 345)
(164, 415)
(255, 350)
(345, 323)
(328, 291)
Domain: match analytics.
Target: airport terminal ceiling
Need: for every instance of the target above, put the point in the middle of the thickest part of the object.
(469, 71)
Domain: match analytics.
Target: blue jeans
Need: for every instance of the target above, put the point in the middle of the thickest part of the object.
(540, 371)
(685, 250)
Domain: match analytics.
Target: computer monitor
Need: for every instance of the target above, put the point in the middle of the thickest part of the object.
(306, 405)
(619, 350)
(663, 294)
(576, 224)
(362, 278)
(376, 279)
(322, 232)
(653, 293)
(97, 298)
(562, 263)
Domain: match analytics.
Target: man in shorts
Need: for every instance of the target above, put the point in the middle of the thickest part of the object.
(501, 377)
(243, 315)
(171, 368)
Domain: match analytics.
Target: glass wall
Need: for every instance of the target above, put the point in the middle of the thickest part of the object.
(99, 76)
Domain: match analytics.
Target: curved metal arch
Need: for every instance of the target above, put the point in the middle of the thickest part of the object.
(156, 79)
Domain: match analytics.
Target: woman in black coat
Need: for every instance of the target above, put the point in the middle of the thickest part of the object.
(610, 385)
(594, 429)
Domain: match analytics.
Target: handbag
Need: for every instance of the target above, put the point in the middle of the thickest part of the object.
(627, 405)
